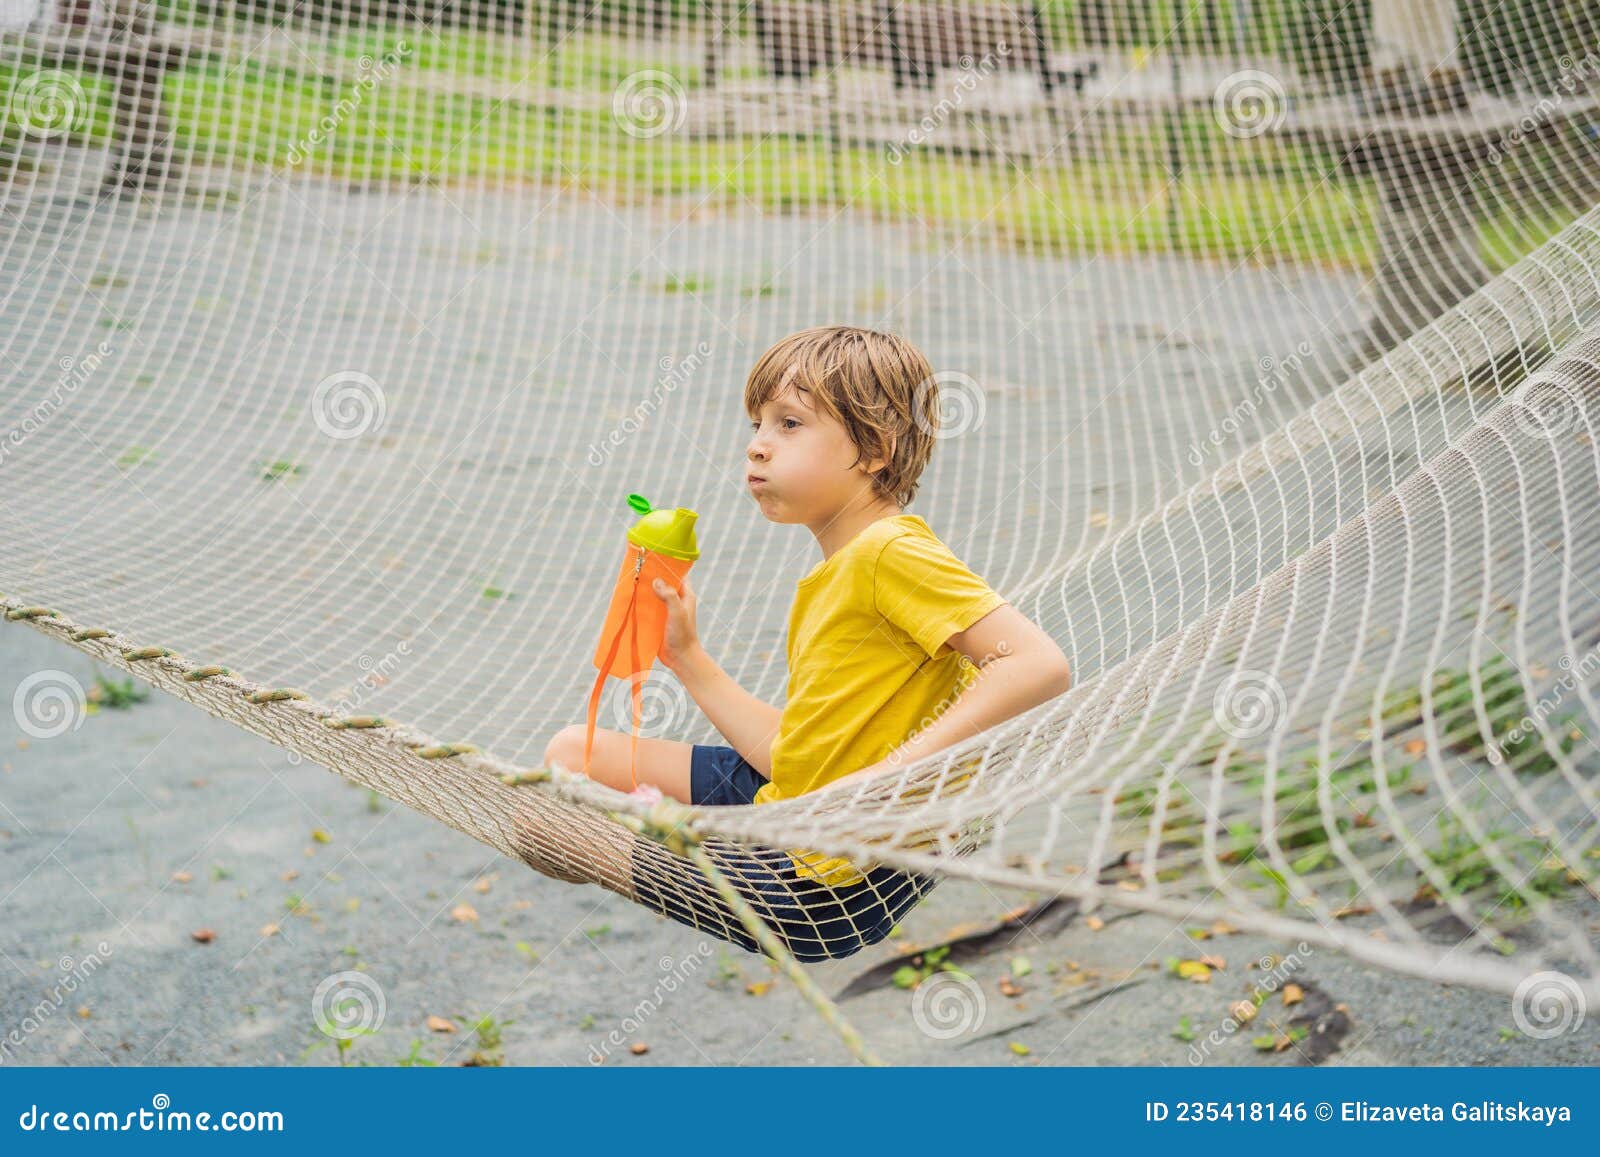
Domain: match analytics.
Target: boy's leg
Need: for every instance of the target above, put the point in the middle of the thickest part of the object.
(590, 851)
(661, 762)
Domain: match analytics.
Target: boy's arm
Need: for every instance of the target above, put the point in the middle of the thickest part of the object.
(1019, 667)
(748, 724)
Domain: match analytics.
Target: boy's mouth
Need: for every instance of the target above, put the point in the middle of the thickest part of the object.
(754, 480)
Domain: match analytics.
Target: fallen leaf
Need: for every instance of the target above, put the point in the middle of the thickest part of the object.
(1007, 988)
(1243, 1011)
(1222, 928)
(1193, 970)
(1019, 1048)
(481, 886)
(290, 874)
(461, 913)
(1351, 910)
(83, 1011)
(269, 930)
(638, 1048)
(321, 836)
(758, 987)
(1415, 746)
(1094, 923)
(181, 877)
(439, 1024)
(203, 935)
(1212, 961)
(1293, 994)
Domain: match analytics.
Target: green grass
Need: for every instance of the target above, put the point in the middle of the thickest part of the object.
(1260, 201)
(1109, 206)
(1535, 868)
(1303, 832)
(1513, 723)
(116, 694)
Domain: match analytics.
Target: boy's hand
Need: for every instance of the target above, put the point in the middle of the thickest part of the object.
(681, 640)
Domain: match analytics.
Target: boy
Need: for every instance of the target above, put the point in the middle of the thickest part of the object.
(884, 635)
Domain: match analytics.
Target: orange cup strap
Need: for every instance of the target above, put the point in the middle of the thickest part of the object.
(631, 622)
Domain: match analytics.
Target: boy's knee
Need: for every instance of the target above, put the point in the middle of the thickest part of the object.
(566, 748)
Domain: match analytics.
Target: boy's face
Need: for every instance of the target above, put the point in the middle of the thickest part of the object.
(803, 458)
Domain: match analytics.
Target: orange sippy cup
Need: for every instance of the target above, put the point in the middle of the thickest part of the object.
(661, 545)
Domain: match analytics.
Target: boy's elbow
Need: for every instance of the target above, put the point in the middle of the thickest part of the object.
(1048, 676)
(1057, 677)
(1060, 681)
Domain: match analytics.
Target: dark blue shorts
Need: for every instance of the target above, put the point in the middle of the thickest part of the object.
(815, 921)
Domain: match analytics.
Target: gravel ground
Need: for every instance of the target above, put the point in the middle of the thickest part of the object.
(147, 825)
(228, 885)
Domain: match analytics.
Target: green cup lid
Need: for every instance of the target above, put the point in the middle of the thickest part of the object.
(668, 531)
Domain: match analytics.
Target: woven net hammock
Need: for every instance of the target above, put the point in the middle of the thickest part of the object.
(1268, 341)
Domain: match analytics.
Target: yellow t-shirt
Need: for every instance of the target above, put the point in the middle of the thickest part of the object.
(868, 664)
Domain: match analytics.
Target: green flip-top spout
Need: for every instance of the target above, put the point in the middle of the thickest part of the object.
(665, 531)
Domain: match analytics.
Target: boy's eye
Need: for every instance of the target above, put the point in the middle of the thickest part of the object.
(757, 425)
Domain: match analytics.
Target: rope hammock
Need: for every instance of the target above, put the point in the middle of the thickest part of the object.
(1269, 384)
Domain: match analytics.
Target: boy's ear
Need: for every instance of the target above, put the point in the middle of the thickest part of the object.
(888, 454)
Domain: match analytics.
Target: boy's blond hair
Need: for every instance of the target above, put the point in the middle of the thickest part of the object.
(878, 386)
